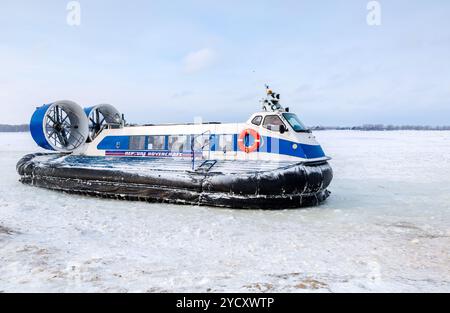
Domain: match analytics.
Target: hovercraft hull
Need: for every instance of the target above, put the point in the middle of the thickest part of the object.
(231, 184)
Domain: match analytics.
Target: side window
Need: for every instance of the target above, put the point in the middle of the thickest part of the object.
(156, 142)
(272, 122)
(202, 142)
(257, 120)
(179, 143)
(137, 142)
(226, 143)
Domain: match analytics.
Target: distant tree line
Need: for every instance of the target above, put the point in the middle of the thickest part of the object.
(381, 127)
(366, 127)
(14, 128)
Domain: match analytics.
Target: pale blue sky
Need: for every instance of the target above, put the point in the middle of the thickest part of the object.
(168, 61)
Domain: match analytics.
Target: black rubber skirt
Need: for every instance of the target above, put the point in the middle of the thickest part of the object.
(287, 186)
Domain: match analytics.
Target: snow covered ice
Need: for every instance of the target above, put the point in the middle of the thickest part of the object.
(385, 227)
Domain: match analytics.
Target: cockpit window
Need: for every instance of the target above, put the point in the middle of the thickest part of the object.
(257, 120)
(273, 122)
(295, 123)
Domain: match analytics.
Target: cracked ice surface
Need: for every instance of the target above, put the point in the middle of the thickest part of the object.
(385, 227)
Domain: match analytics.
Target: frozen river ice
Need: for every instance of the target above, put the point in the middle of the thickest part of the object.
(385, 227)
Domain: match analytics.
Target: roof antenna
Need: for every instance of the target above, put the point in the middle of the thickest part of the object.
(272, 101)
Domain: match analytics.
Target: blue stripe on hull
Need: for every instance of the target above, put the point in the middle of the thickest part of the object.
(303, 151)
(119, 145)
(114, 143)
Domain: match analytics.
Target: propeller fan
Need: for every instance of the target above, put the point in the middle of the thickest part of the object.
(99, 116)
(60, 126)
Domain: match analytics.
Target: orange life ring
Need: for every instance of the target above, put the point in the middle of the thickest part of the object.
(256, 141)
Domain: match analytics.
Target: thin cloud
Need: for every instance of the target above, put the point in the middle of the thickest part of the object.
(199, 60)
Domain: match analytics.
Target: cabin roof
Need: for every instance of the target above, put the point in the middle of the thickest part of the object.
(173, 124)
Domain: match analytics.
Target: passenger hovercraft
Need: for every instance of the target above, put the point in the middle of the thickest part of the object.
(270, 162)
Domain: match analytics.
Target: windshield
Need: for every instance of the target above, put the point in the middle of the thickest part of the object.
(295, 123)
